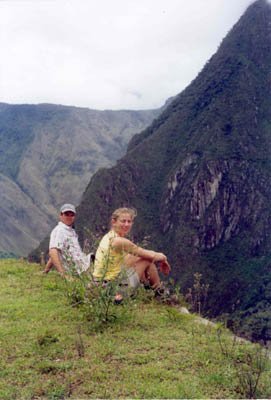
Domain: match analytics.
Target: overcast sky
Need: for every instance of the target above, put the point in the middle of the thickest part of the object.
(108, 54)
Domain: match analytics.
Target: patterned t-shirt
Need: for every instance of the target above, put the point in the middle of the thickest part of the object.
(65, 239)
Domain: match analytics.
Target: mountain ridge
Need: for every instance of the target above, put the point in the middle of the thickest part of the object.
(200, 178)
(50, 152)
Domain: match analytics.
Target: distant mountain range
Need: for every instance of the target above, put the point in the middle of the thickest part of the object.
(200, 178)
(48, 154)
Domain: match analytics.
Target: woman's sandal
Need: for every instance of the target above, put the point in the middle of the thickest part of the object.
(161, 291)
(118, 298)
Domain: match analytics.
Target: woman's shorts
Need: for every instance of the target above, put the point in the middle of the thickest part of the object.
(128, 277)
(131, 277)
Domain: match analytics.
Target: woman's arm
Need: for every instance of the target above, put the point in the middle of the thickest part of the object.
(125, 245)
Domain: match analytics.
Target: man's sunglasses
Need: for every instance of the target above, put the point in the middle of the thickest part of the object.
(69, 214)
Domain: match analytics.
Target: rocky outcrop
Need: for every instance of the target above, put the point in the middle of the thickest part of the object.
(220, 198)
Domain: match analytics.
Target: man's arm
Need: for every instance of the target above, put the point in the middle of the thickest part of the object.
(54, 254)
(48, 266)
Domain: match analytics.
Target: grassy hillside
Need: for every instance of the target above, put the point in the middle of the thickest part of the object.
(50, 350)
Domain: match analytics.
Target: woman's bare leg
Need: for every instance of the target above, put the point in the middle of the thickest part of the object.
(153, 275)
(145, 269)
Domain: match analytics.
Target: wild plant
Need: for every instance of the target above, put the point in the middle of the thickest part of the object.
(95, 298)
(250, 365)
(91, 241)
(79, 343)
(197, 295)
(100, 306)
(227, 347)
(176, 296)
(250, 371)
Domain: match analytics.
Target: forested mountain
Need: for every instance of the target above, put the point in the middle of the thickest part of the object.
(200, 178)
(48, 154)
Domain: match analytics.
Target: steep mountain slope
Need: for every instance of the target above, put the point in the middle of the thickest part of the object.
(47, 155)
(200, 178)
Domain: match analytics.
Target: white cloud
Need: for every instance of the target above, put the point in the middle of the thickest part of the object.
(108, 54)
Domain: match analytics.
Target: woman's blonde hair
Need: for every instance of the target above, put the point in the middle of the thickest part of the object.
(124, 210)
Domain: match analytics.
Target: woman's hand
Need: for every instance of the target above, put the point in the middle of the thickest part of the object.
(159, 257)
(163, 264)
(164, 267)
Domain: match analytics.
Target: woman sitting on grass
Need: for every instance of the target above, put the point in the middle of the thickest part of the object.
(116, 253)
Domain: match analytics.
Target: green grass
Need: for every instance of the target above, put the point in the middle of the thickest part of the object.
(49, 350)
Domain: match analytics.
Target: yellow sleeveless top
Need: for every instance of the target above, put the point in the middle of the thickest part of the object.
(108, 262)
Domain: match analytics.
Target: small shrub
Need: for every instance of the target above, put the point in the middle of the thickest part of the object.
(97, 300)
(79, 344)
(47, 339)
(250, 371)
(197, 295)
(56, 392)
(250, 365)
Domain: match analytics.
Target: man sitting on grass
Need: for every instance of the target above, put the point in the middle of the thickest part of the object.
(64, 249)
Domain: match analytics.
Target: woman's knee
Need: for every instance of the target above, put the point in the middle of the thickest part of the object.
(141, 268)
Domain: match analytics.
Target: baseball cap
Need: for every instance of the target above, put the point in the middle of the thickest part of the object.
(67, 207)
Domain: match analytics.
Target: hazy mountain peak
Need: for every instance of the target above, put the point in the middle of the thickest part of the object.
(49, 152)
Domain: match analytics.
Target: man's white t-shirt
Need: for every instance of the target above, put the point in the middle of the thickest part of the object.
(65, 239)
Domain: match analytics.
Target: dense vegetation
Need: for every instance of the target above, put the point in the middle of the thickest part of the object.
(52, 348)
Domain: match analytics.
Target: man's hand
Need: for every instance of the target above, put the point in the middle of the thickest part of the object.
(55, 258)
